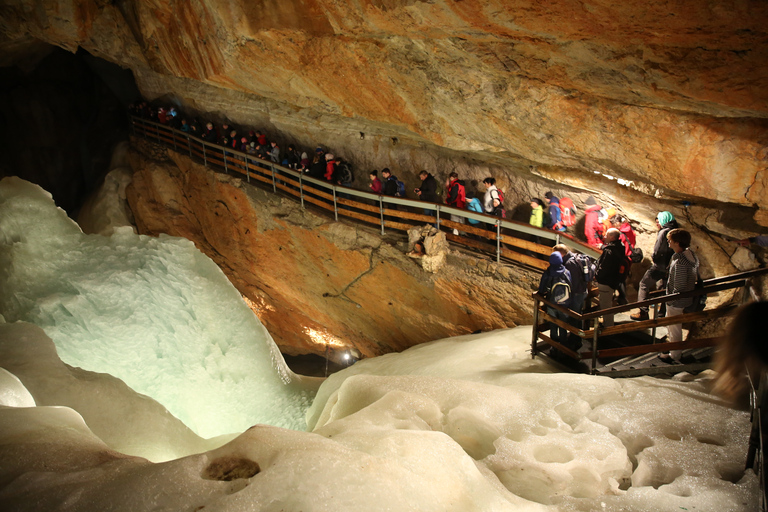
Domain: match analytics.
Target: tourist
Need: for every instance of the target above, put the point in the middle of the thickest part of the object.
(427, 191)
(610, 272)
(389, 187)
(578, 266)
(655, 277)
(456, 197)
(593, 229)
(555, 286)
(537, 213)
(491, 193)
(683, 272)
(274, 153)
(553, 218)
(375, 185)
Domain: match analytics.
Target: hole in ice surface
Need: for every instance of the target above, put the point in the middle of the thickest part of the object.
(730, 472)
(227, 469)
(710, 440)
(673, 436)
(552, 453)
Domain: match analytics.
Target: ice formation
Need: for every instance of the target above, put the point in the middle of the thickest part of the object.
(463, 424)
(154, 312)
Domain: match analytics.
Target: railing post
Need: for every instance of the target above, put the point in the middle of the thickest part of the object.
(301, 189)
(173, 135)
(498, 241)
(248, 173)
(535, 331)
(157, 131)
(224, 154)
(655, 315)
(594, 346)
(205, 158)
(133, 125)
(189, 145)
(437, 217)
(274, 183)
(335, 204)
(381, 213)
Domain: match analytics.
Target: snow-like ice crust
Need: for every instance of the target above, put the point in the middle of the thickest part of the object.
(464, 424)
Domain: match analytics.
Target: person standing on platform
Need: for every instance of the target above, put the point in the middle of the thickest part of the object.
(656, 276)
(609, 271)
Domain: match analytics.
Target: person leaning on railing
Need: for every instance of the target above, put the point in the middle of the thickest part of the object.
(683, 270)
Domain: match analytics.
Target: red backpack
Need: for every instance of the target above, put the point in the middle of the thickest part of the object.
(567, 212)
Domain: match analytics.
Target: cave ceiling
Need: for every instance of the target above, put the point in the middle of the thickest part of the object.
(671, 97)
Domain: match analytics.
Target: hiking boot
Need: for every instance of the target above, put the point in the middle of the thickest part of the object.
(640, 315)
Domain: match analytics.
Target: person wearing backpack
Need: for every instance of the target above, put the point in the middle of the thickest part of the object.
(683, 272)
(456, 197)
(427, 191)
(582, 272)
(611, 271)
(555, 286)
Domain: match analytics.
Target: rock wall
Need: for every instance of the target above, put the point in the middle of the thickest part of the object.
(314, 281)
(671, 97)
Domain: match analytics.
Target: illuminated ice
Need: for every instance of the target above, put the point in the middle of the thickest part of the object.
(465, 424)
(154, 312)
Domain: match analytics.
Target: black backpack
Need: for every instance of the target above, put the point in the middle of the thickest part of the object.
(588, 267)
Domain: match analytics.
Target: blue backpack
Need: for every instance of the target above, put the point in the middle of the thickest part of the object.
(400, 188)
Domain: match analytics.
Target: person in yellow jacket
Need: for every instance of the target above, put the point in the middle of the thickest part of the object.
(537, 213)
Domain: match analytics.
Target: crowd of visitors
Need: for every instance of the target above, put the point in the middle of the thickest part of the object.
(569, 276)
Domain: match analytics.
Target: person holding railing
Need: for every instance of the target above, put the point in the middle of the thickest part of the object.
(375, 185)
(683, 271)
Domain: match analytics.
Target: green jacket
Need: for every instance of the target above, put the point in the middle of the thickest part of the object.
(537, 217)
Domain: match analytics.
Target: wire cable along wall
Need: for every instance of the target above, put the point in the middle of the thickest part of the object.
(515, 241)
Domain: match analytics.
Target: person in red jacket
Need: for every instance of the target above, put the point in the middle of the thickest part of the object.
(457, 197)
(593, 229)
(375, 182)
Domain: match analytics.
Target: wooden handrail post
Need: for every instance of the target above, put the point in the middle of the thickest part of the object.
(655, 315)
(224, 154)
(173, 134)
(205, 158)
(248, 174)
(189, 145)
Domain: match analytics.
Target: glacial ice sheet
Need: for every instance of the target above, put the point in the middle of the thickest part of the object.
(154, 312)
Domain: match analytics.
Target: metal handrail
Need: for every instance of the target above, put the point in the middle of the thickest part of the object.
(211, 151)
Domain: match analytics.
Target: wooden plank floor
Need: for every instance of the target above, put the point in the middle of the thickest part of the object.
(695, 360)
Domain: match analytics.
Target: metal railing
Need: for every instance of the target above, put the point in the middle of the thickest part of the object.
(592, 331)
(512, 240)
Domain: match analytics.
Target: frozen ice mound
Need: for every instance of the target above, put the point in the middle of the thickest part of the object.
(154, 312)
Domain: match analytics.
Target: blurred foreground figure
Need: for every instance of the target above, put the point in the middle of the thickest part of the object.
(742, 365)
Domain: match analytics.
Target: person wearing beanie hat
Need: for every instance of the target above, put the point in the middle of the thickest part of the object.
(555, 286)
(656, 276)
(537, 213)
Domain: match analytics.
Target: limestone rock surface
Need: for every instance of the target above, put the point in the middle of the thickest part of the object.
(671, 97)
(315, 282)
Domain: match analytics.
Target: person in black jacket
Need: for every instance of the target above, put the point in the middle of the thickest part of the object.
(610, 271)
(656, 276)
(428, 190)
(389, 183)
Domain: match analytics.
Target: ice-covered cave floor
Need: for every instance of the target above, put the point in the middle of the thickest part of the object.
(462, 424)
